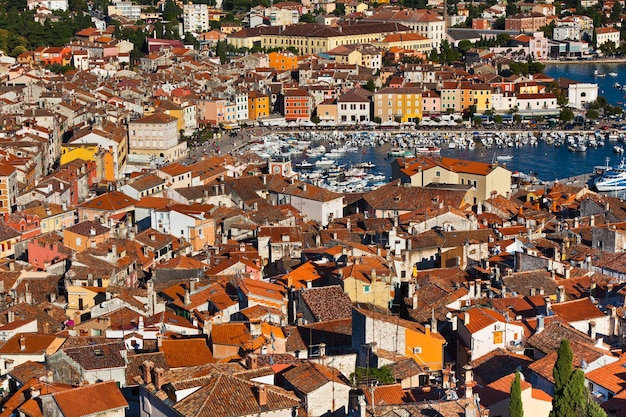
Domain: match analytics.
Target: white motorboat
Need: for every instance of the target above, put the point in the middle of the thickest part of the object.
(324, 163)
(613, 179)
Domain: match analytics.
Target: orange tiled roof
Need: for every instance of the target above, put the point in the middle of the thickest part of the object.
(186, 352)
(610, 376)
(90, 399)
(577, 310)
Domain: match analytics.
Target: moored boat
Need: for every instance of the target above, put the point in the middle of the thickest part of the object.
(612, 179)
(397, 152)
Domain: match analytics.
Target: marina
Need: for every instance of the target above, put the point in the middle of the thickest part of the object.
(358, 161)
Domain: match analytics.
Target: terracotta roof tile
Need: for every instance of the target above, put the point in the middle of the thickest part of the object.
(186, 352)
(90, 399)
(612, 377)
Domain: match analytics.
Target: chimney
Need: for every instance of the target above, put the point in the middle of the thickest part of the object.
(262, 395)
(560, 294)
(159, 375)
(10, 316)
(152, 237)
(414, 301)
(46, 328)
(192, 286)
(532, 291)
(146, 371)
(373, 275)
(503, 291)
(114, 252)
(187, 298)
(348, 224)
(433, 325)
(469, 381)
(22, 342)
(576, 222)
(592, 220)
(322, 350)
(472, 289)
(309, 284)
(548, 303)
(159, 339)
(478, 288)
(466, 318)
(540, 324)
(600, 342)
(592, 329)
(252, 361)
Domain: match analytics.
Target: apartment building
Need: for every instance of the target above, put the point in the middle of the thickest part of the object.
(196, 17)
(402, 103)
(156, 135)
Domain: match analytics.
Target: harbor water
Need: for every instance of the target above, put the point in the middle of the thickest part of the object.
(544, 161)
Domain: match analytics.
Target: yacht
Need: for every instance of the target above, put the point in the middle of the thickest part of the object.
(305, 165)
(504, 157)
(612, 74)
(613, 179)
(324, 163)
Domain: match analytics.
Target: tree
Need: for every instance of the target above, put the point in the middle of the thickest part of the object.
(497, 119)
(382, 374)
(566, 114)
(516, 408)
(340, 9)
(571, 397)
(616, 12)
(307, 18)
(465, 45)
(171, 11)
(371, 85)
(220, 51)
(592, 114)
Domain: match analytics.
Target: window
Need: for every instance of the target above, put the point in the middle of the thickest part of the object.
(366, 289)
(497, 337)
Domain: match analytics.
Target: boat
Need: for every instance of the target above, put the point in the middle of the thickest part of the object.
(397, 152)
(305, 165)
(577, 147)
(612, 74)
(428, 149)
(597, 73)
(617, 85)
(324, 163)
(613, 179)
(618, 149)
(366, 165)
(504, 157)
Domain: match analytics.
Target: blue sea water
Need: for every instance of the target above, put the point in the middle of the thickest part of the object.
(547, 162)
(585, 73)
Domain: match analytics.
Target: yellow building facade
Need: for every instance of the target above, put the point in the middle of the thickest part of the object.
(258, 105)
(105, 162)
(403, 104)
